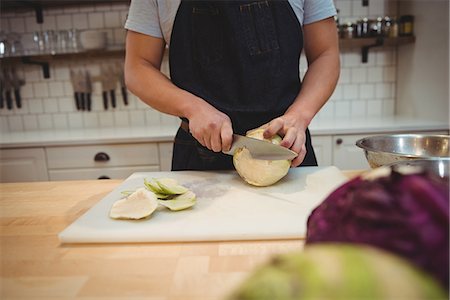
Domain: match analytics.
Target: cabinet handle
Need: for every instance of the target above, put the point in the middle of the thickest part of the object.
(339, 141)
(101, 156)
(104, 177)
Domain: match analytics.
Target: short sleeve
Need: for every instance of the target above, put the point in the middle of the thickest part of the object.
(143, 17)
(316, 10)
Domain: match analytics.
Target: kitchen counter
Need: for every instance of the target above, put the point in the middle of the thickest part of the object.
(35, 264)
(166, 133)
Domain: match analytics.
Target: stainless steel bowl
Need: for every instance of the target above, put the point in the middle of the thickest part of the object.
(387, 149)
(440, 166)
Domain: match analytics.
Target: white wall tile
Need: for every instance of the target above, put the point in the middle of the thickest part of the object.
(375, 74)
(66, 104)
(17, 25)
(389, 107)
(350, 91)
(112, 19)
(121, 119)
(30, 122)
(123, 17)
(119, 37)
(15, 123)
(367, 91)
(345, 75)
(152, 117)
(60, 121)
(33, 74)
(327, 110)
(342, 109)
(137, 118)
(358, 108)
(64, 22)
(31, 25)
(4, 24)
(50, 105)
(40, 89)
(337, 94)
(383, 90)
(26, 91)
(35, 106)
(71, 9)
(90, 119)
(49, 23)
(56, 89)
(376, 8)
(80, 21)
(107, 119)
(4, 127)
(103, 7)
(75, 120)
(345, 8)
(389, 74)
(96, 20)
(45, 121)
(86, 8)
(358, 10)
(358, 75)
(374, 107)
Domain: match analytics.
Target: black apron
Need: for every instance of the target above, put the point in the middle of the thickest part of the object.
(241, 57)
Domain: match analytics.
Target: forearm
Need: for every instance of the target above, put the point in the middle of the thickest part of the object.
(318, 85)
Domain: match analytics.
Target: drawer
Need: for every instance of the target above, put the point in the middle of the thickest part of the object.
(98, 173)
(95, 156)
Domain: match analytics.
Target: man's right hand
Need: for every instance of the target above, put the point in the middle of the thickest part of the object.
(211, 127)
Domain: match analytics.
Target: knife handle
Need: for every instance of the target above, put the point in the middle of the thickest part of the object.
(8, 99)
(125, 95)
(88, 101)
(77, 100)
(2, 99)
(113, 98)
(82, 102)
(105, 100)
(18, 98)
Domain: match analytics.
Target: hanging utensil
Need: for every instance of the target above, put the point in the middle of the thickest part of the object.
(8, 88)
(16, 84)
(81, 89)
(105, 83)
(88, 90)
(123, 87)
(76, 94)
(112, 85)
(2, 85)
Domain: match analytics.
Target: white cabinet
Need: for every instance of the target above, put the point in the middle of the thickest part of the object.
(323, 150)
(19, 165)
(115, 161)
(165, 155)
(346, 155)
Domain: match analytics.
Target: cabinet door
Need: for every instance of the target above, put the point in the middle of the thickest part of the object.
(348, 156)
(98, 173)
(23, 165)
(165, 156)
(323, 149)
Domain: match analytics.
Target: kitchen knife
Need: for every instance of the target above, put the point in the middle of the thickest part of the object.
(88, 90)
(17, 83)
(260, 149)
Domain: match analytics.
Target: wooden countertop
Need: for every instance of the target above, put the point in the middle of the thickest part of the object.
(35, 266)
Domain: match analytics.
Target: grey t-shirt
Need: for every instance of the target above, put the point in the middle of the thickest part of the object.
(156, 17)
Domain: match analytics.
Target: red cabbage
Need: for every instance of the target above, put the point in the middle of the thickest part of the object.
(407, 214)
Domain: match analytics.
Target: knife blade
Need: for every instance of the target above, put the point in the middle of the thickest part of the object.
(260, 149)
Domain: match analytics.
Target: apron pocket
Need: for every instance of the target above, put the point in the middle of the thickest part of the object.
(208, 35)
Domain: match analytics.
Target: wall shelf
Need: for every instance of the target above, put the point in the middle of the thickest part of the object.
(370, 42)
(44, 59)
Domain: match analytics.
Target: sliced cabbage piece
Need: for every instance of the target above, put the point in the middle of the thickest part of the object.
(153, 186)
(138, 205)
(170, 186)
(180, 202)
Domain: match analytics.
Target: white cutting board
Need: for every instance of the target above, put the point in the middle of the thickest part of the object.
(227, 208)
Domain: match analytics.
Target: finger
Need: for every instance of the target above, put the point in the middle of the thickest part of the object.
(273, 128)
(299, 159)
(216, 141)
(289, 138)
(227, 137)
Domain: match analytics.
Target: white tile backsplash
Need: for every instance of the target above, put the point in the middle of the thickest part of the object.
(364, 89)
